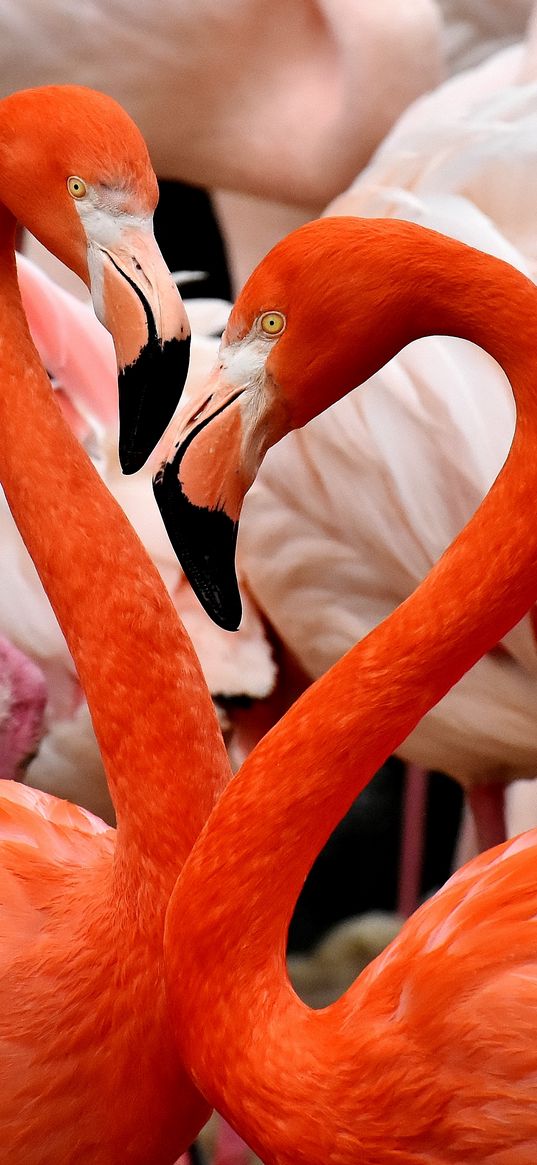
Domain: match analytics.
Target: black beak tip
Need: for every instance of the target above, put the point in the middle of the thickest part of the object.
(149, 392)
(204, 542)
(131, 460)
(225, 610)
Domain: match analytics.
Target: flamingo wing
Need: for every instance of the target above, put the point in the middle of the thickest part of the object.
(43, 841)
(457, 990)
(467, 138)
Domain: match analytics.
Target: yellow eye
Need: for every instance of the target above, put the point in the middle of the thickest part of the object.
(272, 323)
(76, 186)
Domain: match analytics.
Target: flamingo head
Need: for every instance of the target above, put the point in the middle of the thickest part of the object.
(75, 171)
(299, 337)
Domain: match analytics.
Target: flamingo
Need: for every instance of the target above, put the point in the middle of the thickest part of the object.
(117, 255)
(441, 411)
(460, 150)
(429, 1056)
(89, 1070)
(341, 568)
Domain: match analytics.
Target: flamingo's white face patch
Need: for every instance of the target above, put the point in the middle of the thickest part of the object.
(106, 224)
(242, 366)
(243, 361)
(104, 216)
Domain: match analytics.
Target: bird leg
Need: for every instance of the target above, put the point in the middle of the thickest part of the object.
(487, 804)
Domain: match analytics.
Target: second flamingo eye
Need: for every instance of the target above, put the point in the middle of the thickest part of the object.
(76, 186)
(272, 323)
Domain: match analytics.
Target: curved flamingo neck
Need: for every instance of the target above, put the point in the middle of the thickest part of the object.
(277, 813)
(153, 716)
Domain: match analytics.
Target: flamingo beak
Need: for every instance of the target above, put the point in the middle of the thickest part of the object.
(137, 300)
(199, 490)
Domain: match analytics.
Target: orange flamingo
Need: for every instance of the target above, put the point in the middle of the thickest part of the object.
(482, 771)
(430, 1055)
(88, 1067)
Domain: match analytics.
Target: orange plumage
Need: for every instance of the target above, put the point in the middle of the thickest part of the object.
(88, 1067)
(430, 1055)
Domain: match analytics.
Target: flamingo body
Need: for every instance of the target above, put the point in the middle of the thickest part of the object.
(407, 1066)
(56, 868)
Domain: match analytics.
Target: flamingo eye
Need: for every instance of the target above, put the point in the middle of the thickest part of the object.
(272, 323)
(76, 187)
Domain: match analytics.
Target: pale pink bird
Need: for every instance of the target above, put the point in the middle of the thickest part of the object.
(273, 110)
(489, 35)
(218, 88)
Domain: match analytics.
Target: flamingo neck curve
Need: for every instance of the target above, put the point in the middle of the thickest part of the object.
(279, 810)
(153, 717)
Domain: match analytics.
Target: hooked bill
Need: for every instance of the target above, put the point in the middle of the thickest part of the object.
(204, 541)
